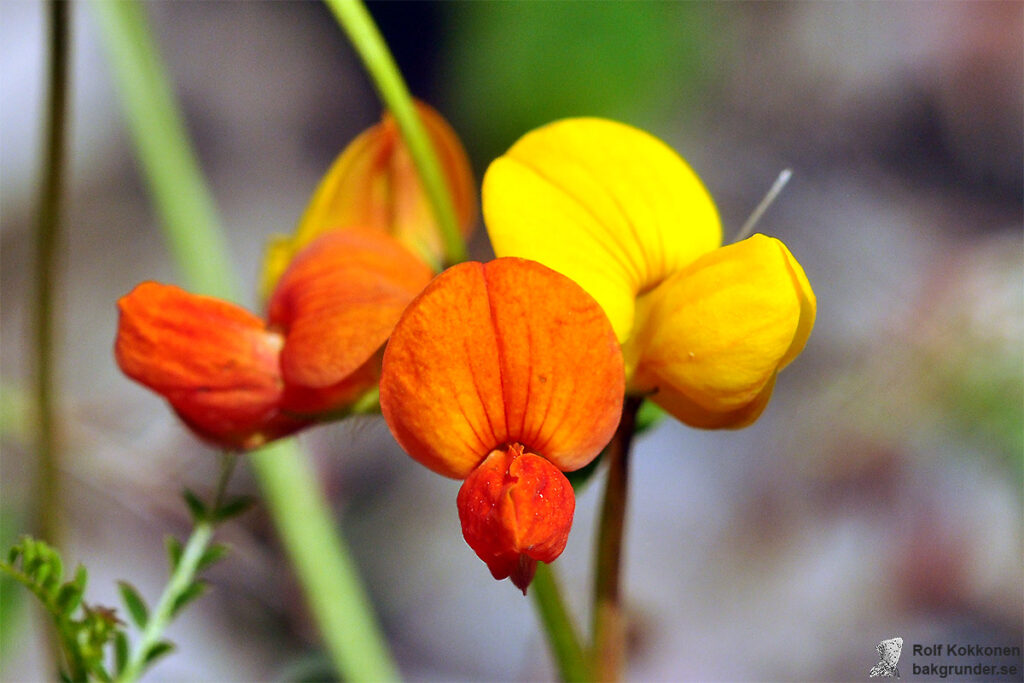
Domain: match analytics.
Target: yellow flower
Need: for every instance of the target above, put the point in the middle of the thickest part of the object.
(704, 329)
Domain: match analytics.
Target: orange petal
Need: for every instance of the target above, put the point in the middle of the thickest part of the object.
(374, 184)
(502, 353)
(516, 509)
(336, 305)
(215, 362)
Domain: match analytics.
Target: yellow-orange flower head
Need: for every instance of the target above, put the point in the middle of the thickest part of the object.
(505, 374)
(705, 329)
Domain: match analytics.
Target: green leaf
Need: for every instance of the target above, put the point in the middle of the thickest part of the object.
(136, 605)
(68, 598)
(196, 507)
(120, 651)
(34, 565)
(158, 650)
(233, 508)
(173, 546)
(100, 672)
(188, 595)
(212, 554)
(42, 574)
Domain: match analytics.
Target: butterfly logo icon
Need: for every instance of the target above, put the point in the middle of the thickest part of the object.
(889, 651)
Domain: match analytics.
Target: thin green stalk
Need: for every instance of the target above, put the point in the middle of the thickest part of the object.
(169, 165)
(182, 578)
(357, 23)
(47, 248)
(291, 491)
(609, 624)
(48, 232)
(328, 576)
(559, 626)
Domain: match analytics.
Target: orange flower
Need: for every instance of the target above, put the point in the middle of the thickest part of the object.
(238, 381)
(215, 362)
(505, 374)
(374, 184)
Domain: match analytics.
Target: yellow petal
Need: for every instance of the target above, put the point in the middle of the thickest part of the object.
(606, 204)
(714, 335)
(688, 411)
(374, 184)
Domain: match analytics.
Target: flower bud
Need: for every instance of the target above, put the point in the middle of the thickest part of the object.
(516, 508)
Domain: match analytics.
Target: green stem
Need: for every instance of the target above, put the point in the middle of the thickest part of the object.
(357, 23)
(291, 492)
(609, 623)
(169, 165)
(328, 575)
(182, 578)
(47, 243)
(559, 626)
(48, 498)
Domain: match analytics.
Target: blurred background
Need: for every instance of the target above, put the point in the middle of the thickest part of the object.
(879, 495)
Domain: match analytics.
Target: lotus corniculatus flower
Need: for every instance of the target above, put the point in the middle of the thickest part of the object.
(374, 184)
(505, 374)
(238, 380)
(704, 328)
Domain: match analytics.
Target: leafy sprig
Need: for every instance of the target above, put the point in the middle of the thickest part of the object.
(85, 631)
(94, 640)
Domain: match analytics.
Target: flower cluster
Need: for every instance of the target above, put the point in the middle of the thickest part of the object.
(611, 281)
(334, 292)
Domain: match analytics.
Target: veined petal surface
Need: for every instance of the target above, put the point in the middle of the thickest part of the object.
(501, 353)
(608, 205)
(714, 335)
(338, 302)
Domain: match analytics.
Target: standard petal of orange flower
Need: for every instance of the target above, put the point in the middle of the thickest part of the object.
(215, 362)
(606, 204)
(374, 184)
(714, 335)
(516, 509)
(336, 305)
(500, 353)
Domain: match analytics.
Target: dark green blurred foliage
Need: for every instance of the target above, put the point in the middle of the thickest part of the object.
(509, 67)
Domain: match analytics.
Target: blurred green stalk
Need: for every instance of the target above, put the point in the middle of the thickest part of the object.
(609, 622)
(558, 624)
(357, 23)
(292, 494)
(48, 231)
